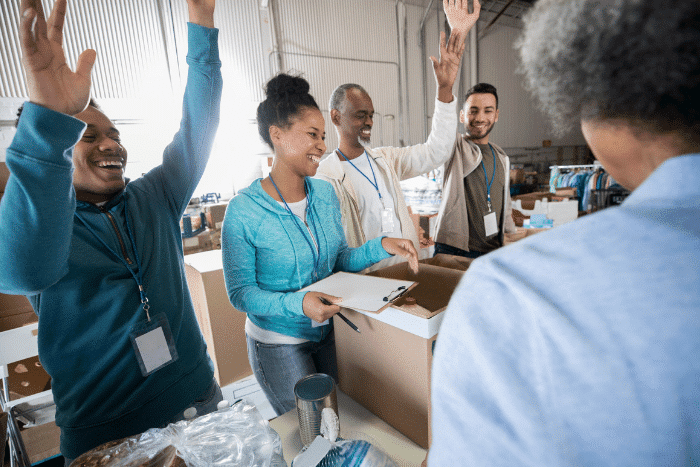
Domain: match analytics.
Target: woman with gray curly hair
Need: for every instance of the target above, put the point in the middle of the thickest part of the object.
(579, 346)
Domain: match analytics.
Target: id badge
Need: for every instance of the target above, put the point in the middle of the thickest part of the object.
(153, 344)
(387, 220)
(490, 224)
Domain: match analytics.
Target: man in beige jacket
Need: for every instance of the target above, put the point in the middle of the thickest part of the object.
(367, 181)
(476, 208)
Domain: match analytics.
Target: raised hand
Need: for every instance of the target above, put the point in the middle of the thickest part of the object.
(201, 12)
(402, 247)
(447, 68)
(51, 82)
(458, 16)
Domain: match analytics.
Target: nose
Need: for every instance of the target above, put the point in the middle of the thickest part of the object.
(109, 145)
(368, 120)
(321, 146)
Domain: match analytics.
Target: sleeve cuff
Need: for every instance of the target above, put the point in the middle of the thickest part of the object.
(46, 132)
(203, 44)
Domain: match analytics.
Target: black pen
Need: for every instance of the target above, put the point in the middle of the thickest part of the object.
(350, 323)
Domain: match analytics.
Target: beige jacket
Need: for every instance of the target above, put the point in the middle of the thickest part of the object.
(395, 164)
(453, 219)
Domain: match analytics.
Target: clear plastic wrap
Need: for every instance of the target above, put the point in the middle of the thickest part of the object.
(232, 436)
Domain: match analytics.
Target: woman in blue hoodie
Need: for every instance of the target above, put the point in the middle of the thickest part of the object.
(283, 233)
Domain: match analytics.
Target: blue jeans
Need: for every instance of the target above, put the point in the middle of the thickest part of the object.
(451, 250)
(205, 403)
(278, 367)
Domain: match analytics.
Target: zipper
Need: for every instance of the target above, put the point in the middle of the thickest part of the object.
(119, 236)
(312, 237)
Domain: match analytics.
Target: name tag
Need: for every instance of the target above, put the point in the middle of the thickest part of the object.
(153, 344)
(490, 224)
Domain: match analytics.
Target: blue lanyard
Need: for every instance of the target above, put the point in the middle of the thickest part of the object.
(488, 184)
(316, 254)
(375, 184)
(138, 276)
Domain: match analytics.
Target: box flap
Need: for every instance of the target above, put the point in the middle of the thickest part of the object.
(434, 288)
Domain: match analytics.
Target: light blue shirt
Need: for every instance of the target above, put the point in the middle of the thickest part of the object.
(580, 346)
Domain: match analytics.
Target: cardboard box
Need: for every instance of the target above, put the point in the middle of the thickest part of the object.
(449, 261)
(198, 243)
(215, 214)
(4, 175)
(387, 367)
(27, 377)
(15, 311)
(42, 441)
(222, 325)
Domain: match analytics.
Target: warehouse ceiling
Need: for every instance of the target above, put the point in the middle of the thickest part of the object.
(509, 8)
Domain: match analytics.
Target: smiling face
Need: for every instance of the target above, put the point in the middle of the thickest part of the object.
(99, 159)
(354, 120)
(301, 145)
(479, 115)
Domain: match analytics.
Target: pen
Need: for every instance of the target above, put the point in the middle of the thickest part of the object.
(350, 323)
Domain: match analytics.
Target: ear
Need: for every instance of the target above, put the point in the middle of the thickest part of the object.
(463, 118)
(335, 117)
(496, 116)
(275, 134)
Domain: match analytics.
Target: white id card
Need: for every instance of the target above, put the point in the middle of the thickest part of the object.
(490, 224)
(387, 220)
(153, 344)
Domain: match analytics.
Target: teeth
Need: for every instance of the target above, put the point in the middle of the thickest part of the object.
(109, 164)
(315, 159)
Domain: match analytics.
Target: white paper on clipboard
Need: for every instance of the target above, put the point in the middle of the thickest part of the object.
(360, 292)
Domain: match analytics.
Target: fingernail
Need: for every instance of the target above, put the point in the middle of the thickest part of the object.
(27, 12)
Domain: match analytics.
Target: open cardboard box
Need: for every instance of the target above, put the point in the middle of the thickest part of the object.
(222, 325)
(15, 311)
(387, 367)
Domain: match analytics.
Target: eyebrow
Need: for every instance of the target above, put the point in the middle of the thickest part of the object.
(111, 129)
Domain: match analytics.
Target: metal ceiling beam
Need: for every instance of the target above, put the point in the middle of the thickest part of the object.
(493, 21)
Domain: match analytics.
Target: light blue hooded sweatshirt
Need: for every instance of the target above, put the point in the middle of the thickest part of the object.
(268, 258)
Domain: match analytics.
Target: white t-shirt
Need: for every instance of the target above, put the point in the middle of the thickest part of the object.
(368, 201)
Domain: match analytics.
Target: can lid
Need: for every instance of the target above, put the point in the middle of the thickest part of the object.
(314, 387)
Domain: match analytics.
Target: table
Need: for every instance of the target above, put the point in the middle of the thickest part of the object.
(356, 422)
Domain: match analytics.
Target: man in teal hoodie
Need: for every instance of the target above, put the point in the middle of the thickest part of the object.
(99, 257)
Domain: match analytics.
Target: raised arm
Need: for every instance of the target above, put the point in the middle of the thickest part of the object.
(185, 159)
(447, 67)
(201, 12)
(36, 212)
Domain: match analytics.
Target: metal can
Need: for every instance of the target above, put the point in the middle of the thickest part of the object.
(313, 393)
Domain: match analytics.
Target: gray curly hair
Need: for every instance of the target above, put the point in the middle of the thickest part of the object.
(632, 60)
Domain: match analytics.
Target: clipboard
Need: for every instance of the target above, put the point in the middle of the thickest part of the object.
(360, 292)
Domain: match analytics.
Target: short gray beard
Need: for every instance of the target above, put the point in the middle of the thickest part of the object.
(363, 143)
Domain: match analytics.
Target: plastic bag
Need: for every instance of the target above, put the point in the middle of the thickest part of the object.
(232, 436)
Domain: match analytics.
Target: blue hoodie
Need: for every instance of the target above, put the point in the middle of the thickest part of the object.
(267, 260)
(83, 292)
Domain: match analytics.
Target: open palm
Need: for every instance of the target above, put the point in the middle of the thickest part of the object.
(51, 82)
(458, 15)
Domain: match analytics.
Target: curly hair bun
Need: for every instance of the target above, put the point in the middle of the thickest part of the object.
(284, 86)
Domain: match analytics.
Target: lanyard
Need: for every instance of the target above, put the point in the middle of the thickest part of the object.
(375, 184)
(138, 276)
(488, 184)
(316, 254)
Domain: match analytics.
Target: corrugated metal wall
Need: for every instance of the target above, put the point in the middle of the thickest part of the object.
(127, 36)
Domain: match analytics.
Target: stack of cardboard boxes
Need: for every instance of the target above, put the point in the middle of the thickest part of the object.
(210, 237)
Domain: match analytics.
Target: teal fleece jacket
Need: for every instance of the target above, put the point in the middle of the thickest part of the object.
(267, 259)
(85, 296)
